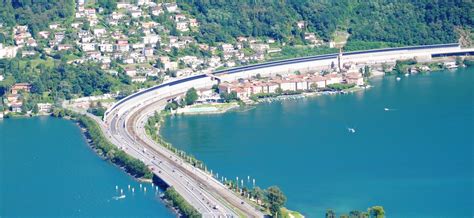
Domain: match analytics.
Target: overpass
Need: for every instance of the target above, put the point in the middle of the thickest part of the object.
(124, 122)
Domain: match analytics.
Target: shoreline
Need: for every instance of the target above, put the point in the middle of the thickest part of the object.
(299, 96)
(206, 108)
(311, 94)
(84, 130)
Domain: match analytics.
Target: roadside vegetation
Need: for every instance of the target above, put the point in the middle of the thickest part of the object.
(182, 205)
(103, 147)
(405, 66)
(271, 200)
(375, 212)
(132, 165)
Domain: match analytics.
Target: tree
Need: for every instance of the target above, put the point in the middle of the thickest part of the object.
(377, 212)
(276, 199)
(228, 97)
(330, 213)
(108, 5)
(35, 109)
(278, 90)
(159, 64)
(459, 61)
(191, 96)
(215, 88)
(171, 106)
(366, 72)
(258, 194)
(355, 213)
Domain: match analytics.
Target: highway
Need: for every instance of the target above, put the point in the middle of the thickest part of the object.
(435, 49)
(210, 197)
(124, 125)
(166, 170)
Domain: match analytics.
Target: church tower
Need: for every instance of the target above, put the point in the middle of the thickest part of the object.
(339, 61)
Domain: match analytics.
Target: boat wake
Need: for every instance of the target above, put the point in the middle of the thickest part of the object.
(119, 197)
(389, 109)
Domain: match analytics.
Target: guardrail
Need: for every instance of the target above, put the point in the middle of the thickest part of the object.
(277, 63)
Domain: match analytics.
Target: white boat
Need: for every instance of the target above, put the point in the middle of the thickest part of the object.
(351, 130)
(386, 109)
(398, 78)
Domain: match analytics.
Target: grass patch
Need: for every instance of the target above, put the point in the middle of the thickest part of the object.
(219, 106)
(285, 213)
(49, 62)
(340, 37)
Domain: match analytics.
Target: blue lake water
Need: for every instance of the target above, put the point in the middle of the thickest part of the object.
(47, 169)
(415, 159)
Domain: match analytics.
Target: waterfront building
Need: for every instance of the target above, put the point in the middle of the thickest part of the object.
(44, 107)
(316, 81)
(287, 85)
(333, 78)
(354, 78)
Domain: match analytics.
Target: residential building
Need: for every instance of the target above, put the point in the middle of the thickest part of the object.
(131, 71)
(88, 47)
(44, 107)
(20, 87)
(354, 78)
(8, 52)
(106, 47)
(182, 26)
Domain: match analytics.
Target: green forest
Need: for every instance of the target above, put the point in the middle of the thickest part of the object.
(37, 14)
(398, 22)
(391, 21)
(370, 24)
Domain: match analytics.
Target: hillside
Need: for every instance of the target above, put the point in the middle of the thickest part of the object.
(396, 21)
(369, 23)
(36, 14)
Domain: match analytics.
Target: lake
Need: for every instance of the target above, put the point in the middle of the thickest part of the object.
(47, 169)
(411, 152)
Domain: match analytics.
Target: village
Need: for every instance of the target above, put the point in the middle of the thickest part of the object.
(244, 89)
(133, 38)
(153, 42)
(145, 40)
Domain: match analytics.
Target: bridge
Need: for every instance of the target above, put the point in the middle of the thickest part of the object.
(124, 122)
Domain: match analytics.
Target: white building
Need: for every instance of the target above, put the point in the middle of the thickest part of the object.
(106, 47)
(151, 39)
(99, 32)
(88, 47)
(131, 71)
(7, 52)
(182, 26)
(171, 7)
(227, 48)
(44, 107)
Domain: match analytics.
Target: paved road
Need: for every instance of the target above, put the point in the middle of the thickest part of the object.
(126, 119)
(161, 167)
(210, 197)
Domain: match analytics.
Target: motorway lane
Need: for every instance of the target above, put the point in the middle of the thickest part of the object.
(150, 103)
(170, 174)
(176, 161)
(138, 101)
(215, 187)
(190, 191)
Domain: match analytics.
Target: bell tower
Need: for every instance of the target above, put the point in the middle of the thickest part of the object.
(339, 61)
